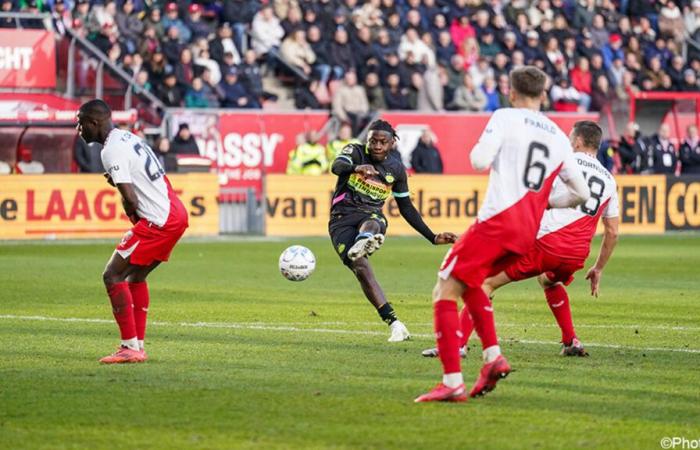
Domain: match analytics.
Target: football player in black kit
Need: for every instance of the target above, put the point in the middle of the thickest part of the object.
(367, 176)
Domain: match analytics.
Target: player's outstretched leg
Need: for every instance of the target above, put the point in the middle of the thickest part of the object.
(363, 271)
(558, 301)
(114, 278)
(449, 337)
(139, 293)
(495, 365)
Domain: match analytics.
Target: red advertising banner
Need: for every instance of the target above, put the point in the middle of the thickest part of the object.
(27, 59)
(244, 146)
(456, 133)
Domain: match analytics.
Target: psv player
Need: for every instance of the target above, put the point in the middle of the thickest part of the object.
(526, 152)
(564, 242)
(367, 176)
(159, 219)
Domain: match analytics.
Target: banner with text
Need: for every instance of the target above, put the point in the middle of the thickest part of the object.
(27, 59)
(85, 206)
(299, 206)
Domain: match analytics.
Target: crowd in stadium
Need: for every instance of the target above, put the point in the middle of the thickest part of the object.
(355, 56)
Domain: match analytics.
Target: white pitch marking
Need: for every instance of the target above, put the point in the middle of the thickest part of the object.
(268, 327)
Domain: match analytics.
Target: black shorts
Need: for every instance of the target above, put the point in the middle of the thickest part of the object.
(344, 228)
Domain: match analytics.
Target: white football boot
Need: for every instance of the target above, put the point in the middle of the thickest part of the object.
(399, 332)
(365, 246)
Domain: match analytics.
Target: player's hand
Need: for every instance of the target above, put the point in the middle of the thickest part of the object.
(366, 170)
(445, 238)
(594, 276)
(109, 179)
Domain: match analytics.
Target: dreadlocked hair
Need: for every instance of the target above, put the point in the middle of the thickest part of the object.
(383, 125)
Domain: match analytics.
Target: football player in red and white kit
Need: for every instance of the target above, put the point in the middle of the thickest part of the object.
(564, 242)
(159, 219)
(526, 152)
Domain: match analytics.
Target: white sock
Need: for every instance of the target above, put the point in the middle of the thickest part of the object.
(491, 353)
(452, 380)
(132, 343)
(141, 346)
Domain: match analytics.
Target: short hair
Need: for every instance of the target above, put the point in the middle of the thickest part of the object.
(96, 109)
(590, 132)
(528, 81)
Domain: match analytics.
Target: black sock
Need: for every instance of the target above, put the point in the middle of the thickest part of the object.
(387, 313)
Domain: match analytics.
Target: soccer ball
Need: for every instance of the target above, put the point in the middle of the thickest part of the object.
(297, 263)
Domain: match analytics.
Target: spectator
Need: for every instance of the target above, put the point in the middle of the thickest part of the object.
(341, 56)
(252, 78)
(375, 93)
(395, 97)
(599, 33)
(343, 139)
(565, 98)
(582, 81)
(631, 149)
(266, 31)
(617, 73)
(204, 61)
(411, 43)
(184, 69)
(603, 96)
(493, 101)
(322, 66)
(211, 89)
(692, 17)
(172, 47)
(488, 47)
(425, 157)
(293, 21)
(445, 48)
(480, 71)
(654, 72)
(461, 30)
(305, 95)
(142, 83)
(612, 50)
(664, 152)
(676, 72)
(233, 93)
(363, 51)
(296, 52)
(169, 92)
(149, 42)
(431, 93)
(468, 97)
(671, 21)
(87, 156)
(690, 152)
(172, 19)
(26, 164)
(7, 22)
(383, 45)
(157, 68)
(532, 50)
(166, 158)
(199, 28)
(154, 19)
(184, 143)
(223, 43)
(197, 96)
(350, 102)
(308, 158)
(504, 91)
(690, 81)
(129, 25)
(470, 52)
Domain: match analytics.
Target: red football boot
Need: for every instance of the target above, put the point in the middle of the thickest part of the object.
(442, 393)
(489, 376)
(124, 355)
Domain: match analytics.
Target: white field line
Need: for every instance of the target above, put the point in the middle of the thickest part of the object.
(271, 327)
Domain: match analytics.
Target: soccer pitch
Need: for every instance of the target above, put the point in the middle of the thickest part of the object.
(242, 358)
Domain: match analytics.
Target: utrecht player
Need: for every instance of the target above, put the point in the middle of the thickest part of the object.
(564, 242)
(159, 219)
(526, 152)
(367, 176)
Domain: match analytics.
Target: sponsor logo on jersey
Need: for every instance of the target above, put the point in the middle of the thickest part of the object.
(372, 188)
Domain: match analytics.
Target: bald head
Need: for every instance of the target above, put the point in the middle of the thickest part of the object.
(96, 109)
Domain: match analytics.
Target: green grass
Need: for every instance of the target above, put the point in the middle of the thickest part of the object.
(283, 383)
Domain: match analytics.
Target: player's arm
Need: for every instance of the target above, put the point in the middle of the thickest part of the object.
(347, 163)
(594, 274)
(577, 190)
(413, 217)
(486, 149)
(130, 201)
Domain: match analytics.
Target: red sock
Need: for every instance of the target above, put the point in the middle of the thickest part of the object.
(481, 313)
(448, 335)
(466, 324)
(123, 309)
(139, 292)
(558, 301)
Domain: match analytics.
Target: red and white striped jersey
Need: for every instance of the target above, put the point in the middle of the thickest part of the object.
(128, 159)
(526, 152)
(567, 232)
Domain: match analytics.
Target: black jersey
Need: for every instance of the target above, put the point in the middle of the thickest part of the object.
(355, 192)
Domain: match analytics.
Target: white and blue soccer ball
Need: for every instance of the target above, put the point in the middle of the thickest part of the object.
(297, 263)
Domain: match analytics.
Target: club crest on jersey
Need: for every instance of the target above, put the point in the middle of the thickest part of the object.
(389, 178)
(347, 150)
